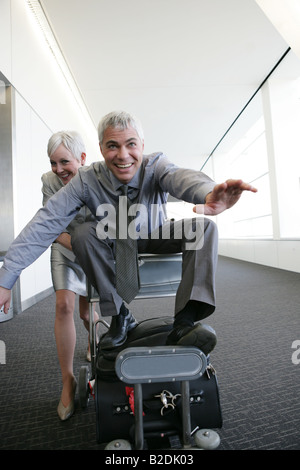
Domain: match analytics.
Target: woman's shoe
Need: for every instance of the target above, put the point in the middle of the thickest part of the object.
(88, 355)
(65, 413)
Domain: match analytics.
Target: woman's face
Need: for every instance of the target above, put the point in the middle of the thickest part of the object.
(64, 165)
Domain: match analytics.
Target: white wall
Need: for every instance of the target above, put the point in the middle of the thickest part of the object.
(282, 254)
(42, 104)
(265, 228)
(31, 69)
(29, 163)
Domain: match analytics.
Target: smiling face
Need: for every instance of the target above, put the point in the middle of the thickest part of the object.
(64, 165)
(122, 151)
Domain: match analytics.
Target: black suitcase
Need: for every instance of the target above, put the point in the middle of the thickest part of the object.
(163, 414)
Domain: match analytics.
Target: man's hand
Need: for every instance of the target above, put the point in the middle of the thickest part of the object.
(223, 196)
(5, 295)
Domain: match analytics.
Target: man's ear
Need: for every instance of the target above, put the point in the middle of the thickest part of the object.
(83, 159)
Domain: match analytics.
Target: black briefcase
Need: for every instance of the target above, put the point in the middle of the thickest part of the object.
(162, 396)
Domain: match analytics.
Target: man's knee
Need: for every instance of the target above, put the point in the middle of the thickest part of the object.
(81, 234)
(198, 231)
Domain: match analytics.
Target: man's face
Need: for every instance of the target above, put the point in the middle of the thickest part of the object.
(122, 151)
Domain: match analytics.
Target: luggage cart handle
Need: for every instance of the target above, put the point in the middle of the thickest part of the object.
(160, 364)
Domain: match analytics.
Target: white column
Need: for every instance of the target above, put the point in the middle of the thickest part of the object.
(281, 106)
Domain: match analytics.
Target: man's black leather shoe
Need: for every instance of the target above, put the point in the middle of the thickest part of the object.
(117, 333)
(200, 336)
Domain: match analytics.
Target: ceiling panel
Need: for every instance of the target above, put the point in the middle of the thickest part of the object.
(185, 68)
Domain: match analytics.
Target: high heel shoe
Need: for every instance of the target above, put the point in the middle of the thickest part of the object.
(64, 412)
(88, 355)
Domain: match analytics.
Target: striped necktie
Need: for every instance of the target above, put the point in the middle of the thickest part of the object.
(127, 271)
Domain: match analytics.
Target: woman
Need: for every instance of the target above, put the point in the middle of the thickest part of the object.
(66, 151)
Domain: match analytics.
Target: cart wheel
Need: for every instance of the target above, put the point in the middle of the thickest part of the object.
(207, 439)
(118, 444)
(84, 386)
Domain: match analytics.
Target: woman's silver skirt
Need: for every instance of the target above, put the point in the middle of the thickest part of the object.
(66, 273)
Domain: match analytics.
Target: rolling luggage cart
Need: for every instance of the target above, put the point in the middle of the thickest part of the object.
(146, 393)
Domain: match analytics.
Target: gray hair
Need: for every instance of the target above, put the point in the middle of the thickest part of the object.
(71, 140)
(121, 120)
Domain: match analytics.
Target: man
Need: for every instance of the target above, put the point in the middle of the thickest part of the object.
(148, 179)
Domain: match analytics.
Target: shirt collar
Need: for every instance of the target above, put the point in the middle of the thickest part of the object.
(134, 183)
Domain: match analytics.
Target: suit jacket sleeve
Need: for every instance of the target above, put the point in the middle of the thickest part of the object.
(49, 222)
(183, 183)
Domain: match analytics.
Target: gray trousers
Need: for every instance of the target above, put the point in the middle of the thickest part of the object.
(196, 239)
